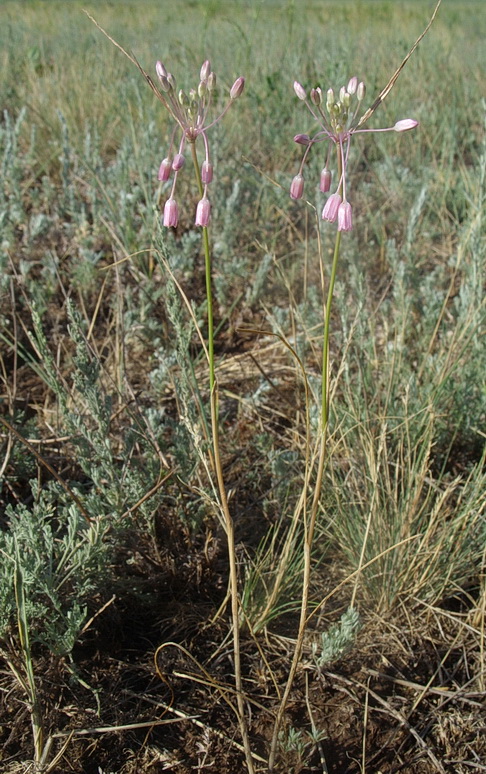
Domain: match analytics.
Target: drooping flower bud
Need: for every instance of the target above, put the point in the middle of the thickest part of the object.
(297, 187)
(178, 162)
(302, 139)
(361, 91)
(203, 212)
(299, 90)
(205, 70)
(165, 170)
(325, 182)
(237, 88)
(171, 213)
(352, 85)
(206, 172)
(345, 219)
(331, 207)
(405, 124)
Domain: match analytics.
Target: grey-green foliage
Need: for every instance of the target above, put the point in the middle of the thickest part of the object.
(115, 479)
(63, 561)
(337, 640)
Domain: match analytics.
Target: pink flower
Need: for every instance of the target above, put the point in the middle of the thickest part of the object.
(299, 90)
(302, 139)
(206, 172)
(237, 88)
(165, 170)
(325, 183)
(203, 212)
(178, 162)
(344, 217)
(405, 124)
(297, 187)
(331, 208)
(171, 213)
(352, 85)
(191, 112)
(205, 70)
(339, 121)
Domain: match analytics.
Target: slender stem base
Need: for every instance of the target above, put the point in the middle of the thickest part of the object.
(228, 521)
(310, 525)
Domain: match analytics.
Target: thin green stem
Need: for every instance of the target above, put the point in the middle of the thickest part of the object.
(230, 536)
(309, 527)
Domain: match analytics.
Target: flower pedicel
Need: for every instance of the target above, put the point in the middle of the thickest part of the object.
(190, 112)
(339, 122)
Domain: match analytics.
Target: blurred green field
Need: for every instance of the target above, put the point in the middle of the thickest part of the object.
(103, 384)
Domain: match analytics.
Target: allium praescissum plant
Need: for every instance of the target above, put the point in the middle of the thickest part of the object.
(190, 113)
(338, 123)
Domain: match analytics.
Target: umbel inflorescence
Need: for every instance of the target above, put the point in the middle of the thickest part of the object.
(339, 119)
(190, 112)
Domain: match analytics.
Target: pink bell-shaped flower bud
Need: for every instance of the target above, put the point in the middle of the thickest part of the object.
(178, 162)
(165, 170)
(205, 70)
(325, 182)
(331, 207)
(237, 88)
(316, 96)
(345, 219)
(352, 85)
(297, 187)
(203, 212)
(302, 139)
(206, 172)
(405, 124)
(299, 90)
(171, 213)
